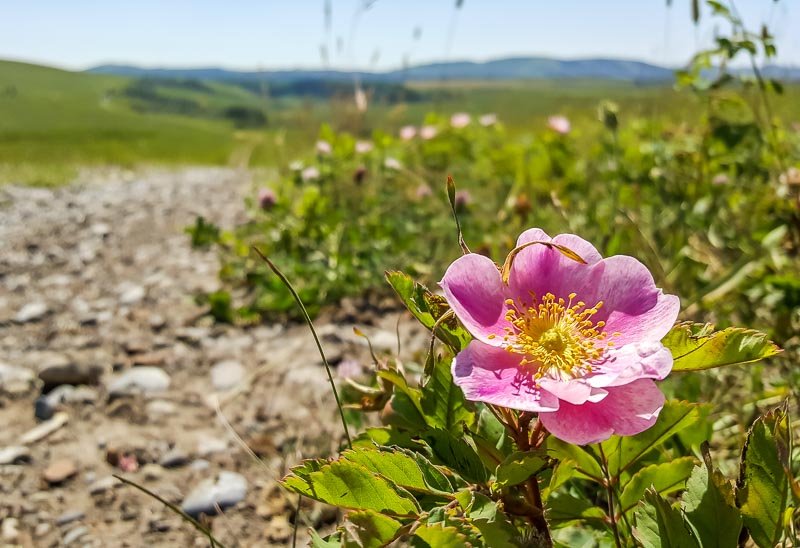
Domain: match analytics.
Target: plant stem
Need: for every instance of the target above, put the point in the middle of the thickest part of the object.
(522, 436)
(610, 495)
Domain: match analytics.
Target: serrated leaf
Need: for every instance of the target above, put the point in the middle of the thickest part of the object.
(623, 451)
(696, 346)
(762, 491)
(659, 525)
(438, 536)
(518, 467)
(367, 529)
(331, 541)
(443, 402)
(351, 485)
(406, 469)
(428, 308)
(585, 461)
(562, 509)
(708, 504)
(494, 525)
(663, 478)
(402, 411)
(456, 453)
(385, 436)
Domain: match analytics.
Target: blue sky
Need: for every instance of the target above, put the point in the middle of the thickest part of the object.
(250, 34)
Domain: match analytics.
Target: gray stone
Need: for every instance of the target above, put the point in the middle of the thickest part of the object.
(32, 312)
(68, 372)
(208, 446)
(226, 490)
(74, 535)
(15, 380)
(226, 375)
(145, 380)
(10, 530)
(102, 485)
(173, 458)
(69, 517)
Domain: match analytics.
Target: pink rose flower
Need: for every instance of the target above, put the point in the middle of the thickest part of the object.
(266, 198)
(408, 132)
(324, 148)
(720, 179)
(310, 173)
(460, 120)
(579, 344)
(428, 132)
(559, 124)
(392, 163)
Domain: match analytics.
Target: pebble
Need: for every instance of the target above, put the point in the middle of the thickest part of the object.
(45, 429)
(226, 490)
(146, 380)
(226, 375)
(152, 472)
(74, 535)
(15, 454)
(131, 294)
(69, 517)
(173, 458)
(68, 372)
(32, 312)
(59, 471)
(15, 380)
(102, 485)
(208, 446)
(45, 406)
(9, 531)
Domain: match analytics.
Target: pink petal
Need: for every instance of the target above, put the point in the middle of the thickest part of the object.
(532, 235)
(577, 244)
(574, 391)
(476, 293)
(493, 375)
(645, 360)
(627, 410)
(632, 304)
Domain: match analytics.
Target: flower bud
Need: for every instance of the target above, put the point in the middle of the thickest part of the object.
(266, 199)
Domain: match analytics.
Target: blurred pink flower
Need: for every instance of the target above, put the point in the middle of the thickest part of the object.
(791, 177)
(463, 199)
(424, 191)
(392, 163)
(577, 343)
(408, 132)
(428, 132)
(460, 120)
(266, 198)
(349, 369)
(363, 147)
(310, 173)
(720, 179)
(488, 120)
(324, 147)
(559, 124)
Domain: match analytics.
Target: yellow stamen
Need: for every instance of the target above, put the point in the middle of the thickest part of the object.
(557, 337)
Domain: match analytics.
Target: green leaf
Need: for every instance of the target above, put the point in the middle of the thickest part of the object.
(404, 412)
(456, 453)
(698, 346)
(350, 485)
(438, 536)
(762, 491)
(367, 529)
(331, 541)
(659, 525)
(406, 469)
(664, 478)
(494, 525)
(518, 467)
(443, 403)
(624, 451)
(585, 462)
(563, 509)
(493, 442)
(708, 505)
(428, 308)
(385, 436)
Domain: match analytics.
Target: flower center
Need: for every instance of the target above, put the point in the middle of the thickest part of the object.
(558, 337)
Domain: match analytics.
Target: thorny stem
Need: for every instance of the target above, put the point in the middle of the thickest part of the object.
(610, 495)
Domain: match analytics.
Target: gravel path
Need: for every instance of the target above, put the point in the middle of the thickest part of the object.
(107, 366)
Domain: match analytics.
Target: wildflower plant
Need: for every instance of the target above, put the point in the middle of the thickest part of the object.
(539, 419)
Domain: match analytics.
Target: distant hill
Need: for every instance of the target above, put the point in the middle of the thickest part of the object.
(515, 68)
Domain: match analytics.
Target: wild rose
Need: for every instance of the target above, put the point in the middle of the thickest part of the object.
(559, 124)
(488, 120)
(310, 173)
(408, 132)
(424, 191)
(392, 163)
(460, 120)
(324, 148)
(428, 132)
(266, 198)
(577, 343)
(363, 147)
(720, 179)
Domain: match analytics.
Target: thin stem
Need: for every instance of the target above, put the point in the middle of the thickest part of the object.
(296, 520)
(299, 301)
(610, 495)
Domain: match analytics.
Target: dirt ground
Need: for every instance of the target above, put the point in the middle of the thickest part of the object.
(107, 366)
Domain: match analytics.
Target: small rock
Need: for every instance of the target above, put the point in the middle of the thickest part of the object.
(69, 517)
(10, 531)
(15, 380)
(146, 380)
(15, 454)
(224, 491)
(32, 312)
(279, 529)
(74, 534)
(199, 465)
(69, 372)
(100, 229)
(45, 429)
(81, 394)
(157, 322)
(226, 375)
(102, 485)
(59, 471)
(173, 459)
(131, 294)
(158, 526)
(46, 406)
(152, 472)
(208, 446)
(160, 408)
(192, 335)
(41, 529)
